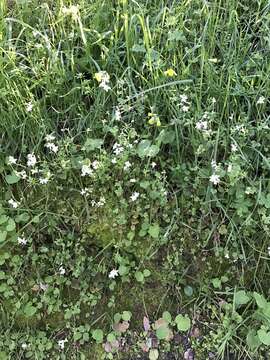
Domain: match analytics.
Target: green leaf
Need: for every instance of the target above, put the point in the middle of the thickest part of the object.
(143, 148)
(11, 225)
(98, 335)
(111, 337)
(139, 276)
(167, 316)
(241, 298)
(162, 332)
(260, 300)
(77, 336)
(92, 144)
(146, 273)
(253, 340)
(216, 283)
(264, 337)
(29, 310)
(183, 322)
(188, 290)
(12, 179)
(3, 236)
(154, 231)
(126, 315)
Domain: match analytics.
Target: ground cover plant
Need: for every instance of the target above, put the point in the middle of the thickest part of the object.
(135, 192)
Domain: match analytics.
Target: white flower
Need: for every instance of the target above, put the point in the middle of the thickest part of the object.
(29, 107)
(134, 196)
(183, 98)
(268, 250)
(61, 343)
(96, 164)
(62, 270)
(51, 146)
(49, 138)
(43, 181)
(86, 170)
(214, 164)
(13, 203)
(103, 85)
(22, 174)
(233, 147)
(214, 100)
(215, 179)
(73, 10)
(22, 241)
(185, 108)
(113, 273)
(84, 191)
(117, 149)
(101, 202)
(114, 161)
(227, 256)
(202, 125)
(117, 114)
(31, 160)
(11, 160)
(153, 164)
(261, 100)
(24, 346)
(102, 76)
(132, 181)
(127, 165)
(229, 167)
(43, 287)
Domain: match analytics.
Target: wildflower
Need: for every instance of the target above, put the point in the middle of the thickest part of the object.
(104, 86)
(29, 107)
(185, 108)
(43, 181)
(214, 164)
(127, 165)
(214, 100)
(117, 149)
(22, 241)
(261, 100)
(84, 191)
(229, 168)
(117, 114)
(51, 146)
(11, 160)
(132, 181)
(268, 250)
(102, 76)
(62, 270)
(153, 164)
(13, 203)
(227, 256)
(114, 161)
(96, 164)
(86, 170)
(61, 343)
(183, 98)
(134, 196)
(24, 346)
(22, 174)
(31, 160)
(233, 147)
(215, 179)
(214, 60)
(170, 73)
(202, 125)
(113, 273)
(49, 138)
(101, 202)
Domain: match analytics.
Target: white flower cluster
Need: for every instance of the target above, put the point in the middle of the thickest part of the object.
(103, 78)
(184, 104)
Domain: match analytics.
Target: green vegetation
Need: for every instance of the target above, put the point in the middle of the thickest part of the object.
(135, 187)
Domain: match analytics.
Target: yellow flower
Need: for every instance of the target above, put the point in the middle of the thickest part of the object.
(154, 119)
(170, 73)
(98, 76)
